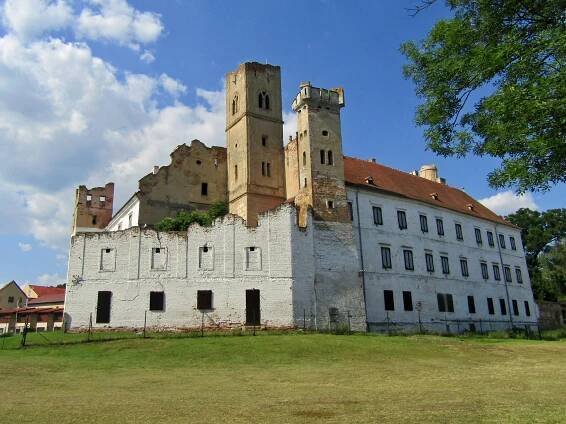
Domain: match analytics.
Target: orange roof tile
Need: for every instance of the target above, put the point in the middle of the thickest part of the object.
(399, 183)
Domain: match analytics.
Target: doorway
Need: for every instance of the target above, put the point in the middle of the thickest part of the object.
(253, 316)
(103, 307)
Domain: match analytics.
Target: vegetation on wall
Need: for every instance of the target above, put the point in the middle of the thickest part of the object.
(505, 57)
(183, 220)
(544, 235)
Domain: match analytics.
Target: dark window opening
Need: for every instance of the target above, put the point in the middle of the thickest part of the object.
(156, 301)
(519, 275)
(330, 204)
(330, 158)
(325, 133)
(484, 271)
(439, 227)
(496, 274)
(490, 239)
(445, 302)
(10, 299)
(471, 305)
(409, 264)
(322, 156)
(388, 300)
(478, 236)
(513, 244)
(527, 309)
(377, 216)
(268, 169)
(445, 265)
(385, 257)
(253, 311)
(157, 250)
(264, 140)
(424, 223)
(515, 307)
(267, 101)
(304, 158)
(402, 219)
(351, 211)
(235, 172)
(94, 220)
(204, 300)
(204, 189)
(459, 234)
(507, 274)
(199, 162)
(260, 100)
(490, 307)
(502, 306)
(429, 259)
(464, 267)
(103, 307)
(502, 241)
(407, 301)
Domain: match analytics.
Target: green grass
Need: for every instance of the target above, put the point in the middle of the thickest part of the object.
(290, 378)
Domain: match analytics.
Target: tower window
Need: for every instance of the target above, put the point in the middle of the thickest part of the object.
(325, 133)
(322, 156)
(330, 158)
(268, 169)
(260, 101)
(267, 101)
(263, 100)
(305, 183)
(264, 140)
(263, 169)
(94, 220)
(204, 189)
(236, 172)
(330, 204)
(235, 105)
(304, 158)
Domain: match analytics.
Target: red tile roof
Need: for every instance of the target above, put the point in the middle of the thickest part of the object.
(47, 290)
(399, 183)
(49, 298)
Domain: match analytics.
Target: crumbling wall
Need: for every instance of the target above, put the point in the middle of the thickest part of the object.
(93, 208)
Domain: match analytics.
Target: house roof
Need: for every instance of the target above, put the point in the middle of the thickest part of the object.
(48, 298)
(47, 290)
(399, 183)
(14, 283)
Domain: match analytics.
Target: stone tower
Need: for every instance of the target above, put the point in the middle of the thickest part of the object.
(93, 208)
(254, 139)
(319, 154)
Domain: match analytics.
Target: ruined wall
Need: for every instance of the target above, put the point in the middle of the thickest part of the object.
(292, 168)
(124, 263)
(93, 208)
(178, 186)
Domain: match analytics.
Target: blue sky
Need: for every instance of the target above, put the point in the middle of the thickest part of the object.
(101, 90)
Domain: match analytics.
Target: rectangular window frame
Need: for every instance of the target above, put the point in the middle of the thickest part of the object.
(484, 270)
(440, 226)
(408, 259)
(445, 262)
(407, 301)
(496, 272)
(157, 301)
(501, 238)
(388, 300)
(204, 300)
(459, 231)
(471, 305)
(377, 215)
(464, 267)
(424, 223)
(402, 220)
(386, 257)
(429, 260)
(479, 240)
(490, 306)
(490, 240)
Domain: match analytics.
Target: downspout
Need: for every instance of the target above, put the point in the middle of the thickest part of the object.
(504, 279)
(362, 259)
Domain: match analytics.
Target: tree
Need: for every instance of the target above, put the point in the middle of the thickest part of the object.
(539, 233)
(184, 219)
(508, 56)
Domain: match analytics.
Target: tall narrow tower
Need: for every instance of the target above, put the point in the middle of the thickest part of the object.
(319, 151)
(254, 139)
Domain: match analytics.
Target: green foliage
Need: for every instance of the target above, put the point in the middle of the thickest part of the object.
(538, 231)
(184, 219)
(508, 56)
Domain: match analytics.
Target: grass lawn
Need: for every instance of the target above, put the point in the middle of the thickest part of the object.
(286, 379)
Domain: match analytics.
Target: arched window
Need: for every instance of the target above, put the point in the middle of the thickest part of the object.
(260, 100)
(235, 105)
(304, 158)
(305, 183)
(322, 156)
(330, 158)
(267, 101)
(263, 100)
(268, 169)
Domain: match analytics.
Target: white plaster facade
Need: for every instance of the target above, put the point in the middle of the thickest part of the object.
(127, 216)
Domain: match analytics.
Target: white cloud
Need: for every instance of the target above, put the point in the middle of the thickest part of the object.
(68, 117)
(116, 20)
(147, 56)
(172, 86)
(289, 126)
(507, 202)
(51, 279)
(31, 18)
(24, 247)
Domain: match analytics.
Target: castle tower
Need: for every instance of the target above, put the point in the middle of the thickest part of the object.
(254, 140)
(93, 208)
(319, 154)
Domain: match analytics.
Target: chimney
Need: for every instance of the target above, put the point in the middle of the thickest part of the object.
(155, 169)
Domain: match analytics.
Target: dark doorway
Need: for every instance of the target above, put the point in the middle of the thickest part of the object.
(103, 307)
(252, 307)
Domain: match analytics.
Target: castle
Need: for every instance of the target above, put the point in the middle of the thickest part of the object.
(313, 239)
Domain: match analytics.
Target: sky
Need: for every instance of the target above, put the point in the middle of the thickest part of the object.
(93, 91)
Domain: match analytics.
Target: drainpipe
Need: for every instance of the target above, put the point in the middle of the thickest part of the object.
(504, 279)
(362, 259)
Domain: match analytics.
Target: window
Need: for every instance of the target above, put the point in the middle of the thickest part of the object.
(235, 105)
(490, 239)
(236, 172)
(10, 299)
(267, 101)
(507, 274)
(402, 219)
(478, 235)
(484, 272)
(513, 244)
(89, 197)
(464, 267)
(496, 274)
(330, 204)
(515, 307)
(502, 241)
(407, 301)
(206, 258)
(263, 169)
(388, 300)
(527, 309)
(459, 234)
(102, 199)
(439, 227)
(445, 302)
(385, 257)
(305, 182)
(429, 259)
(156, 301)
(108, 259)
(204, 189)
(408, 255)
(130, 219)
(502, 306)
(94, 220)
(490, 307)
(322, 156)
(377, 215)
(268, 169)
(471, 305)
(325, 133)
(253, 258)
(424, 223)
(519, 275)
(351, 211)
(445, 265)
(304, 158)
(260, 100)
(159, 258)
(330, 158)
(204, 300)
(264, 140)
